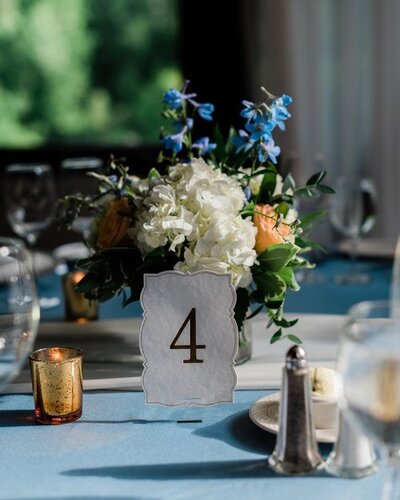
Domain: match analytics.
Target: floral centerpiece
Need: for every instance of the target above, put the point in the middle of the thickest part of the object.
(219, 205)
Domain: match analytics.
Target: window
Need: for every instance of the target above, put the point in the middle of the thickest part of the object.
(85, 71)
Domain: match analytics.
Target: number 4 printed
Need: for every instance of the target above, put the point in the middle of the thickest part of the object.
(191, 317)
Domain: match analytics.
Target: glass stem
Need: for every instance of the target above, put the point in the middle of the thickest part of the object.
(390, 480)
(355, 240)
(31, 239)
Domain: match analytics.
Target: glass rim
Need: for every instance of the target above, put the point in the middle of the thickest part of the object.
(34, 356)
(81, 163)
(366, 305)
(28, 167)
(8, 240)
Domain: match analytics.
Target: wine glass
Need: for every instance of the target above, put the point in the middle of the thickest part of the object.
(369, 373)
(352, 212)
(30, 198)
(19, 309)
(76, 181)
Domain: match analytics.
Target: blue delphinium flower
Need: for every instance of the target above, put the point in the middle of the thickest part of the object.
(247, 193)
(242, 142)
(174, 142)
(180, 125)
(204, 145)
(279, 112)
(268, 151)
(260, 128)
(249, 111)
(206, 110)
(173, 98)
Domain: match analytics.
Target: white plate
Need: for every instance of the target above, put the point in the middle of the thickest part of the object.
(265, 414)
(370, 247)
(71, 251)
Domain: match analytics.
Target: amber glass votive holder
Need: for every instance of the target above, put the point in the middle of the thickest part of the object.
(77, 307)
(57, 384)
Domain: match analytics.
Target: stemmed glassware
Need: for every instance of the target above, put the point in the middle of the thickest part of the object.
(19, 309)
(76, 181)
(30, 199)
(369, 371)
(30, 196)
(352, 213)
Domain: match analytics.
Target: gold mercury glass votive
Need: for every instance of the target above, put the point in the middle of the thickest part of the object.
(57, 384)
(77, 307)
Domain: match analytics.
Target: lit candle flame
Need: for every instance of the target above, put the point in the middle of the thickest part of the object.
(77, 276)
(56, 355)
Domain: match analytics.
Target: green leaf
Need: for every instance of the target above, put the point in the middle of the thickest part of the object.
(271, 285)
(241, 306)
(276, 336)
(255, 312)
(307, 220)
(322, 188)
(294, 339)
(288, 183)
(288, 276)
(305, 191)
(276, 257)
(316, 178)
(218, 138)
(267, 187)
(284, 323)
(256, 296)
(308, 245)
(283, 208)
(274, 305)
(153, 172)
(301, 263)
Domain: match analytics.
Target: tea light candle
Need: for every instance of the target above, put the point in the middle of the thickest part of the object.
(57, 384)
(77, 307)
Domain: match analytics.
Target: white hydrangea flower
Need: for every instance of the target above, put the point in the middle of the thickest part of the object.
(162, 220)
(196, 208)
(227, 246)
(201, 188)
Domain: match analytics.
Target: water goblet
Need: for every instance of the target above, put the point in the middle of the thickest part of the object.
(76, 181)
(369, 374)
(352, 213)
(19, 309)
(30, 199)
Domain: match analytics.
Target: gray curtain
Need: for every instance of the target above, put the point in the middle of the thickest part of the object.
(339, 61)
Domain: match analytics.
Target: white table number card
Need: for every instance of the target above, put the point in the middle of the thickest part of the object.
(188, 338)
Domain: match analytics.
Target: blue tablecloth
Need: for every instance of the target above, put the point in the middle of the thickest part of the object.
(321, 296)
(121, 448)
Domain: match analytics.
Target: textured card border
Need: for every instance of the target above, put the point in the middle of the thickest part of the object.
(231, 316)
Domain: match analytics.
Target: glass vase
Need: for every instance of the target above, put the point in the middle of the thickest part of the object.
(245, 348)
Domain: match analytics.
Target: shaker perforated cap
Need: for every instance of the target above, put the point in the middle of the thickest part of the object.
(296, 357)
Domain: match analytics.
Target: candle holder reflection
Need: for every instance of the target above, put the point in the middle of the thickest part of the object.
(57, 384)
(77, 307)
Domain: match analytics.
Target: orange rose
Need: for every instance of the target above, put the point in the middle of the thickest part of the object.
(114, 226)
(267, 234)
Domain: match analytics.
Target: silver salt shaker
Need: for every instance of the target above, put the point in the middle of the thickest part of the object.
(353, 455)
(296, 450)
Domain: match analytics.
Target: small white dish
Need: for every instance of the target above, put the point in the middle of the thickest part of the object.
(265, 414)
